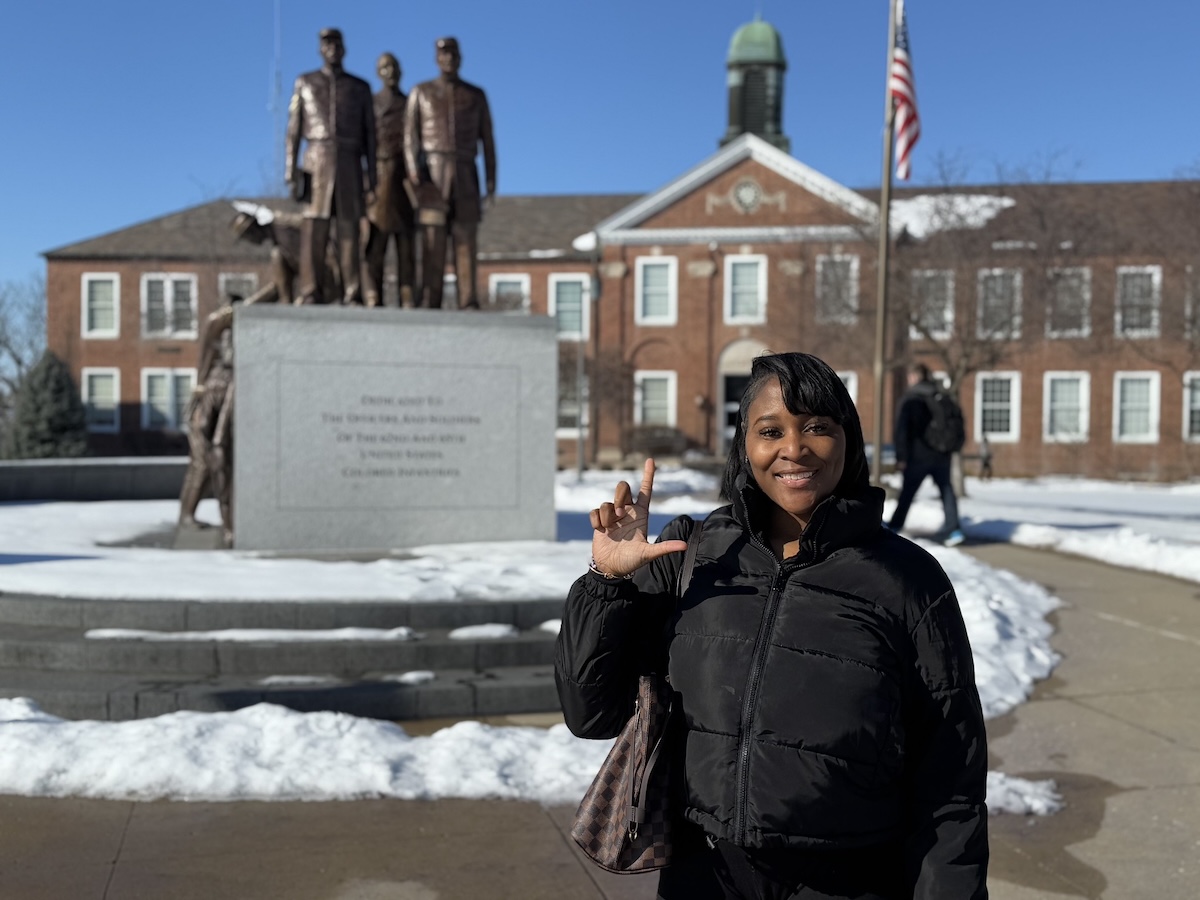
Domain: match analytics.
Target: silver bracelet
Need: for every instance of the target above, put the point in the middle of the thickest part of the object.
(592, 565)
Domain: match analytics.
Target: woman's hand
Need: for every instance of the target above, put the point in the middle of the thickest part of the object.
(619, 544)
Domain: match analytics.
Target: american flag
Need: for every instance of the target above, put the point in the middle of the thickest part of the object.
(903, 89)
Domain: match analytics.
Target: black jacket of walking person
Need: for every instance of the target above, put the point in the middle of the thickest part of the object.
(831, 741)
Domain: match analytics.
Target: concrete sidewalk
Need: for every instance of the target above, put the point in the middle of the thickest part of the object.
(1117, 726)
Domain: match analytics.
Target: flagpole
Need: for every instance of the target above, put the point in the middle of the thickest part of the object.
(885, 202)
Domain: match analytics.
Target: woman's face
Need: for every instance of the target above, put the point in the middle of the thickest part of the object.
(797, 460)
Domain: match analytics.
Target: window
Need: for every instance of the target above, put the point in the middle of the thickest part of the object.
(509, 291)
(1139, 293)
(237, 286)
(998, 406)
(100, 307)
(837, 290)
(1135, 407)
(654, 398)
(656, 290)
(169, 306)
(572, 406)
(569, 306)
(933, 304)
(850, 380)
(1191, 406)
(1000, 304)
(101, 394)
(1069, 309)
(745, 289)
(1066, 399)
(165, 396)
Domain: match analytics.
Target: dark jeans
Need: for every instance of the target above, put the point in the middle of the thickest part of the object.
(915, 472)
(733, 873)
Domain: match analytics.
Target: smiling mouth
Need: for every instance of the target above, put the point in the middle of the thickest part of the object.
(796, 479)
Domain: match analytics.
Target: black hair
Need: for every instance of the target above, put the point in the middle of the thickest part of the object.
(920, 370)
(810, 386)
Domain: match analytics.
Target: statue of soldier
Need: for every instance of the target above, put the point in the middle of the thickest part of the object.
(446, 123)
(210, 425)
(390, 216)
(332, 111)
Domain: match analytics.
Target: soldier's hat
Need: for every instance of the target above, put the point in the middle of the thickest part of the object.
(447, 43)
(331, 34)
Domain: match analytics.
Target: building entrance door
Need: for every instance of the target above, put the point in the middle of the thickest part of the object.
(734, 386)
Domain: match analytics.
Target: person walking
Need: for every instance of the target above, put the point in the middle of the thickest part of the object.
(928, 428)
(828, 740)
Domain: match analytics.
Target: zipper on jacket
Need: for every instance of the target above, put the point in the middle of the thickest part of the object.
(782, 572)
(756, 667)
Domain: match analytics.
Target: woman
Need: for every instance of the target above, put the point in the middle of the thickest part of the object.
(830, 740)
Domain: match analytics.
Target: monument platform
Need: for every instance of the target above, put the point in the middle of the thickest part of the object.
(45, 654)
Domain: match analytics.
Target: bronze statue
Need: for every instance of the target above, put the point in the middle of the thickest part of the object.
(332, 111)
(390, 216)
(446, 123)
(210, 425)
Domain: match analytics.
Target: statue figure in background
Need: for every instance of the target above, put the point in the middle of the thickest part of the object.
(333, 112)
(210, 426)
(447, 121)
(282, 232)
(390, 216)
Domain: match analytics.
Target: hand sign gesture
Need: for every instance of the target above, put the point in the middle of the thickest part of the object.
(619, 544)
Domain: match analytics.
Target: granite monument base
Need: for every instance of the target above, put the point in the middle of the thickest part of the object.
(374, 429)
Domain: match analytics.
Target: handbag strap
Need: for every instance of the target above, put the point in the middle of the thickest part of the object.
(689, 560)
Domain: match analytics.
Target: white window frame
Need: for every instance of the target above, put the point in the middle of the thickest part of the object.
(1013, 435)
(552, 282)
(672, 314)
(99, 333)
(170, 375)
(850, 317)
(1085, 407)
(169, 278)
(1154, 330)
(672, 378)
(83, 393)
(761, 317)
(224, 277)
(1086, 329)
(1155, 378)
(850, 380)
(943, 334)
(1018, 304)
(1189, 378)
(495, 278)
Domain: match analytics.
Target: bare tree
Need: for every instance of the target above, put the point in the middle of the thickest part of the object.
(22, 334)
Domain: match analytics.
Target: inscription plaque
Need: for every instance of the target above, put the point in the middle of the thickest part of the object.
(376, 429)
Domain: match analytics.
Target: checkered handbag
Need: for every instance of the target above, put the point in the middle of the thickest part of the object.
(624, 823)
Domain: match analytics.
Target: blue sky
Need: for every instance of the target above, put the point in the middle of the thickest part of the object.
(120, 111)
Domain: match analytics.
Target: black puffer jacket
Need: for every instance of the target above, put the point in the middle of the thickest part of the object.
(829, 701)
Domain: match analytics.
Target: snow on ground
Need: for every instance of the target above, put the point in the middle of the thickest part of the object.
(1151, 527)
(267, 752)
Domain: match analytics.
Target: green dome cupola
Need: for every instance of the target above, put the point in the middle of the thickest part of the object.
(755, 65)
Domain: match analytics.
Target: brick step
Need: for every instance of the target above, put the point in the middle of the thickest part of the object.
(453, 693)
(203, 615)
(41, 649)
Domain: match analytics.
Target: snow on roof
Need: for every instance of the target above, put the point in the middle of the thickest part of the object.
(928, 214)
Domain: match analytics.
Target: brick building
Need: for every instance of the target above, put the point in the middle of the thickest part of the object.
(1066, 316)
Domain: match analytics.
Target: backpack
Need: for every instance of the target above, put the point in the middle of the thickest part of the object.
(945, 432)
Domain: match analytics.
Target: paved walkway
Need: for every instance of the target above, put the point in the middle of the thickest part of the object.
(1117, 726)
